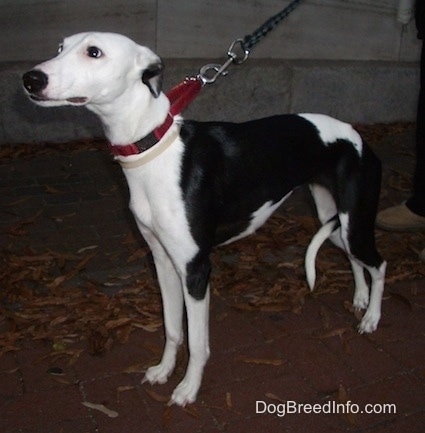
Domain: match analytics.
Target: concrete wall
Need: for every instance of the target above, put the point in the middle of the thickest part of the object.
(347, 58)
(318, 29)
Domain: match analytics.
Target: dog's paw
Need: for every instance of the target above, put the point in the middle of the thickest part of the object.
(361, 300)
(157, 374)
(184, 394)
(369, 322)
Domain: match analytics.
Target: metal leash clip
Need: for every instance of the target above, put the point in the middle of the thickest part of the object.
(210, 72)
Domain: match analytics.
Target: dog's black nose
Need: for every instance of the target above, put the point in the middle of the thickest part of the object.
(35, 80)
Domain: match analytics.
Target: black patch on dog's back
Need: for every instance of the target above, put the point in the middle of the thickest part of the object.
(229, 170)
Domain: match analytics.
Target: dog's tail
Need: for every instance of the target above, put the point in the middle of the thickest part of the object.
(310, 257)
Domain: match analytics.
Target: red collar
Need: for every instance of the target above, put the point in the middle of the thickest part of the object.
(180, 97)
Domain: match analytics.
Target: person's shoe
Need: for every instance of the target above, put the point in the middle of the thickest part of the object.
(400, 219)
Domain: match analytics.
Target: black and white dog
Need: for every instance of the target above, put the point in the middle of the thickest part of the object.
(209, 183)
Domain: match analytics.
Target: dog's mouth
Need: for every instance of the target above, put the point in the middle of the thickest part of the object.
(78, 100)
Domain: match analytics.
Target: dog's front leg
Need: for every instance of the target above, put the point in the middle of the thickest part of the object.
(197, 299)
(172, 298)
(199, 351)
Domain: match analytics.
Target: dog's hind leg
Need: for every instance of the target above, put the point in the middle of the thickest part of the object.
(361, 292)
(327, 209)
(358, 185)
(172, 298)
(372, 316)
(358, 235)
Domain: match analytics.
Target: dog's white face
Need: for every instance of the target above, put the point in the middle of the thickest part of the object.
(93, 69)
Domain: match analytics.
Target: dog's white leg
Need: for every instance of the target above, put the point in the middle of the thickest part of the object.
(172, 299)
(326, 208)
(199, 350)
(325, 203)
(370, 320)
(361, 292)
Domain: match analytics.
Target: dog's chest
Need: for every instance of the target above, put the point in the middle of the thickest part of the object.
(155, 194)
(157, 204)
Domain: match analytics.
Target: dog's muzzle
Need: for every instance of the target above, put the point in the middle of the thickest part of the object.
(35, 83)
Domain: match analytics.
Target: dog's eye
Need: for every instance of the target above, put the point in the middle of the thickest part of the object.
(60, 48)
(94, 52)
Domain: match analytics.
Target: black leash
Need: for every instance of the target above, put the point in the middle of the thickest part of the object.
(209, 73)
(250, 41)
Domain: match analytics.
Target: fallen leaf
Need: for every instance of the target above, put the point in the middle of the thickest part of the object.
(122, 389)
(272, 396)
(332, 333)
(156, 396)
(64, 380)
(136, 368)
(229, 400)
(51, 190)
(192, 411)
(262, 361)
(343, 398)
(116, 323)
(325, 317)
(60, 218)
(59, 320)
(123, 333)
(166, 416)
(153, 327)
(18, 201)
(100, 408)
(13, 370)
(90, 247)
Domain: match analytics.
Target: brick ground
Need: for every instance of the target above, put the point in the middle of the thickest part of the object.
(83, 199)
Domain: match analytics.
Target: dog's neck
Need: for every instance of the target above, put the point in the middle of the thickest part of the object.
(129, 120)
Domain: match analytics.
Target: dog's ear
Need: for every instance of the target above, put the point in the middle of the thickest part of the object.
(151, 67)
(152, 77)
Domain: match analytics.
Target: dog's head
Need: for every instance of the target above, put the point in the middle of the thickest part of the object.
(94, 69)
